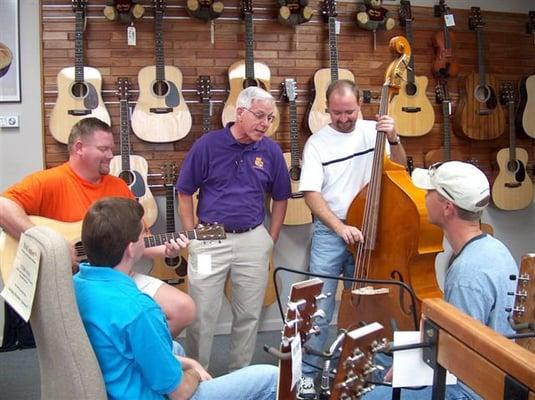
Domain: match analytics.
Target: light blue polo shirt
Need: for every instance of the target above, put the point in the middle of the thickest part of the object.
(129, 335)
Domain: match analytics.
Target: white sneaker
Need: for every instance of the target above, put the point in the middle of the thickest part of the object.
(306, 389)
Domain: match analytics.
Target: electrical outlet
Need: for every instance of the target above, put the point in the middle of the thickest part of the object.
(9, 121)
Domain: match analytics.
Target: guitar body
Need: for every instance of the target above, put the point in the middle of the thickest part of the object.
(68, 103)
(238, 81)
(172, 271)
(161, 127)
(508, 193)
(526, 111)
(437, 155)
(412, 123)
(479, 120)
(317, 116)
(138, 169)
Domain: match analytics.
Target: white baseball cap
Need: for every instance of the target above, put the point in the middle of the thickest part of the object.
(462, 183)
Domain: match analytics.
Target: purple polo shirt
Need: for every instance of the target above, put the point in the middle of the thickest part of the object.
(233, 178)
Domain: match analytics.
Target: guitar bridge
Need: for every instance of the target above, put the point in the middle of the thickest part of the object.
(483, 112)
(79, 113)
(297, 195)
(512, 184)
(411, 109)
(161, 110)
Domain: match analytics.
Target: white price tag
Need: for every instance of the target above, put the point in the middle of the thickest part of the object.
(204, 264)
(449, 20)
(337, 26)
(296, 359)
(131, 35)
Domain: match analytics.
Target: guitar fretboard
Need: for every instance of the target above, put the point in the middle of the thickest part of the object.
(79, 46)
(333, 52)
(170, 208)
(512, 138)
(481, 55)
(158, 240)
(408, 31)
(249, 56)
(158, 45)
(124, 137)
(447, 138)
(294, 135)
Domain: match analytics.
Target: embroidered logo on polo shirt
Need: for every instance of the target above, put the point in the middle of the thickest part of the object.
(259, 163)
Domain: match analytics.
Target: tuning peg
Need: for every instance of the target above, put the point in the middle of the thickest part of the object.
(319, 314)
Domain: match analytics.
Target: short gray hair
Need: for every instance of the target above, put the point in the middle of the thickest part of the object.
(247, 96)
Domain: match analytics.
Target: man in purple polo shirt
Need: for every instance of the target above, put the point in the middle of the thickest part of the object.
(233, 168)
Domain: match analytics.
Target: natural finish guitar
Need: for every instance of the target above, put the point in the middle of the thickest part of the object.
(245, 73)
(512, 189)
(161, 113)
(525, 118)
(479, 114)
(411, 109)
(172, 271)
(297, 212)
(78, 87)
(317, 115)
(72, 231)
(524, 308)
(131, 168)
(445, 153)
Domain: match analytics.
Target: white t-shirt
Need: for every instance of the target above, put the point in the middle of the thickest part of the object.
(339, 164)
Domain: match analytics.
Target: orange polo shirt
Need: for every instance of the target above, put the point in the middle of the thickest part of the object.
(58, 193)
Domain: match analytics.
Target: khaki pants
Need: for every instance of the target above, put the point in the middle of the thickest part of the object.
(245, 256)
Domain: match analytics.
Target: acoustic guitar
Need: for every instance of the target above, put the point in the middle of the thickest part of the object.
(525, 118)
(72, 231)
(411, 109)
(297, 212)
(78, 87)
(161, 113)
(356, 363)
(317, 115)
(131, 168)
(445, 153)
(479, 114)
(245, 73)
(512, 189)
(172, 271)
(524, 307)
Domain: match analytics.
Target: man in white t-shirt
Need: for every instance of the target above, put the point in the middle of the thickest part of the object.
(337, 164)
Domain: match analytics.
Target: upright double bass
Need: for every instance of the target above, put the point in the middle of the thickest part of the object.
(399, 242)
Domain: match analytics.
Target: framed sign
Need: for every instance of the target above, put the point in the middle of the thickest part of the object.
(9, 52)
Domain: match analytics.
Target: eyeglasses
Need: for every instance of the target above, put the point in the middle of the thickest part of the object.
(261, 116)
(432, 170)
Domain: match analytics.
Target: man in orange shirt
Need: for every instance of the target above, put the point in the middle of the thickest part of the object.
(66, 192)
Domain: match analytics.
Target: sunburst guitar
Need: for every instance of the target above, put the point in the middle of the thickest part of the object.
(78, 87)
(512, 188)
(172, 271)
(411, 109)
(131, 168)
(245, 73)
(161, 113)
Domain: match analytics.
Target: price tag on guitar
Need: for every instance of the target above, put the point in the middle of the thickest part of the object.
(131, 35)
(296, 359)
(449, 20)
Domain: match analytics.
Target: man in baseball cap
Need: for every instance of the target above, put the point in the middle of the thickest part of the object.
(477, 279)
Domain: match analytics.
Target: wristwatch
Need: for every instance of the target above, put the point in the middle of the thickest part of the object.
(395, 142)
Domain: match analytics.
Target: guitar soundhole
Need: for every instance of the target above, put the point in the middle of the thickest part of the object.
(247, 82)
(160, 88)
(127, 176)
(482, 93)
(179, 264)
(512, 165)
(79, 89)
(295, 173)
(410, 89)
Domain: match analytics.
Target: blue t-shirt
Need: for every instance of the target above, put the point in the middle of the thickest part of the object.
(129, 335)
(477, 282)
(233, 178)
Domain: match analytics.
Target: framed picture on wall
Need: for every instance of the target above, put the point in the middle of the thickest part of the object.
(9, 52)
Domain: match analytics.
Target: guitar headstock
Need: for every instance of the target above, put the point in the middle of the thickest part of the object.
(475, 20)
(405, 12)
(329, 9)
(210, 232)
(441, 9)
(123, 86)
(204, 88)
(530, 25)
(169, 173)
(441, 91)
(159, 5)
(79, 5)
(507, 93)
(289, 89)
(246, 7)
(356, 363)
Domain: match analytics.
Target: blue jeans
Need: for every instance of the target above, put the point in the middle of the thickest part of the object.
(329, 255)
(256, 382)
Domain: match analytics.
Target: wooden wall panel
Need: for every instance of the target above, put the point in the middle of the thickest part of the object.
(289, 52)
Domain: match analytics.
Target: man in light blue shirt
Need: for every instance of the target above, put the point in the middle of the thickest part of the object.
(128, 330)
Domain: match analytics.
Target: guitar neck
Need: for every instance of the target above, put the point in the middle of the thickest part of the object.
(249, 56)
(481, 55)
(158, 45)
(160, 239)
(170, 208)
(512, 137)
(206, 117)
(125, 135)
(410, 70)
(294, 135)
(333, 51)
(79, 46)
(447, 131)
